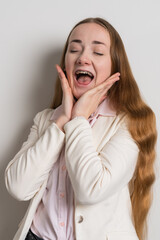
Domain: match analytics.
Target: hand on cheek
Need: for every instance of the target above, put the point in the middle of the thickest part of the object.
(89, 101)
(67, 99)
(86, 104)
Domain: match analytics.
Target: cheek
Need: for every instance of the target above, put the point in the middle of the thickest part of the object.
(66, 62)
(104, 71)
(67, 66)
(68, 70)
(69, 61)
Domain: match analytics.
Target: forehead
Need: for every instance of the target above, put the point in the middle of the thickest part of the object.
(90, 31)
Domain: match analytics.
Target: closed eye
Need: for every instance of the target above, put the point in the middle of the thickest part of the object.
(100, 54)
(73, 51)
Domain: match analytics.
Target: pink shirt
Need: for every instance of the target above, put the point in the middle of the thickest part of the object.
(54, 218)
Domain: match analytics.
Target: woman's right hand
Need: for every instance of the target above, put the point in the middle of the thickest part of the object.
(67, 100)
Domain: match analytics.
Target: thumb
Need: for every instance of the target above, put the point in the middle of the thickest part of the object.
(103, 98)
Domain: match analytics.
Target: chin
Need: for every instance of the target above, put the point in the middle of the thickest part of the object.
(76, 97)
(78, 94)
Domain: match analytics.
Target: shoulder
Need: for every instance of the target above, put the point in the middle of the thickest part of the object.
(123, 130)
(122, 121)
(119, 126)
(42, 119)
(44, 114)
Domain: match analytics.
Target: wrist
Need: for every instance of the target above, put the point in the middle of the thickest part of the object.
(61, 121)
(77, 115)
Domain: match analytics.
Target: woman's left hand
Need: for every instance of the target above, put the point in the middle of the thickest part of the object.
(89, 101)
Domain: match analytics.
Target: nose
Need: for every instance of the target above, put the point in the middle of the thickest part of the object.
(84, 59)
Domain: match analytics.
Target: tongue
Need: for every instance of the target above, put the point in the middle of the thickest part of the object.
(84, 80)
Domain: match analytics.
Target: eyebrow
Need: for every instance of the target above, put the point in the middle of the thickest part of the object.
(93, 42)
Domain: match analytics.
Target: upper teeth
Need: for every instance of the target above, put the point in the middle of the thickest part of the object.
(84, 72)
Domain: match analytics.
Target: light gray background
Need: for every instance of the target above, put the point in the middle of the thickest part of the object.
(33, 33)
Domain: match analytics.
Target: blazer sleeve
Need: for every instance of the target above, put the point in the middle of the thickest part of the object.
(97, 176)
(30, 167)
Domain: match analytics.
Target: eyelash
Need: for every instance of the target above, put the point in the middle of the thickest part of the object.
(73, 51)
(99, 54)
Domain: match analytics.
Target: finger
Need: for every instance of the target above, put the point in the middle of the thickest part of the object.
(67, 92)
(108, 85)
(105, 89)
(108, 82)
(59, 70)
(63, 79)
(103, 98)
(114, 75)
(113, 78)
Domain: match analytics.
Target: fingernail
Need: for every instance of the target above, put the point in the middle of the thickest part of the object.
(57, 68)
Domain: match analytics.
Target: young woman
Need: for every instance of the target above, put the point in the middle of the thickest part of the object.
(87, 165)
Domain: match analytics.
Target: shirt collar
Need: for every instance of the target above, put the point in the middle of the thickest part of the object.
(104, 109)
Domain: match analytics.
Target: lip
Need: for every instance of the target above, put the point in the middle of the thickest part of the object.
(82, 84)
(79, 69)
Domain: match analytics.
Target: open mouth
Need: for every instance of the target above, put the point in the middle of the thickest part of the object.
(84, 77)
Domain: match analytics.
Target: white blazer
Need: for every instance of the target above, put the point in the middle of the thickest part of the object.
(100, 161)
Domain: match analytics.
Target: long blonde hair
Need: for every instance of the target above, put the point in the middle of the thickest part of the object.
(125, 96)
